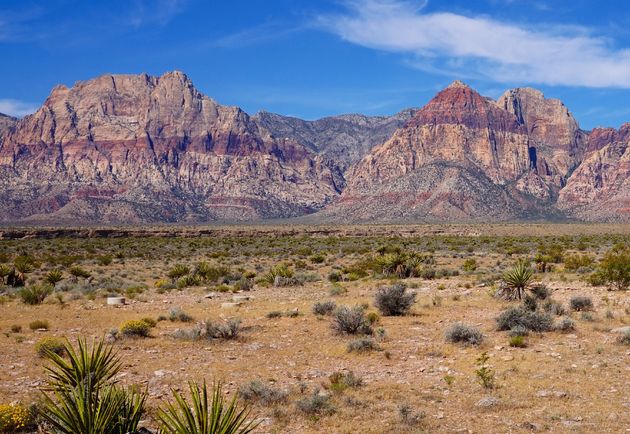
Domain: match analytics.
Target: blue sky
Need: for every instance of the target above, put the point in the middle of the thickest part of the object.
(316, 58)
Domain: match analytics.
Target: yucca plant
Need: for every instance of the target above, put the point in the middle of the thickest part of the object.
(518, 278)
(203, 417)
(82, 395)
(53, 277)
(5, 270)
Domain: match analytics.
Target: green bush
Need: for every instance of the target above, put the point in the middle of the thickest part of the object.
(324, 307)
(15, 418)
(135, 328)
(614, 268)
(49, 345)
(35, 294)
(39, 324)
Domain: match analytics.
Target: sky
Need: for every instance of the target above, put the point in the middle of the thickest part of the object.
(311, 59)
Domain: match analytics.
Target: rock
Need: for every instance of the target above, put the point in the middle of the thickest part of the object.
(115, 301)
(622, 330)
(211, 295)
(241, 298)
(230, 305)
(488, 401)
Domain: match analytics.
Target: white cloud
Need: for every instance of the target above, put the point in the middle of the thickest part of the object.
(503, 52)
(16, 108)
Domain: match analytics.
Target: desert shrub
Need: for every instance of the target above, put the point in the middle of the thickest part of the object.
(339, 381)
(484, 373)
(580, 303)
(77, 271)
(587, 316)
(104, 260)
(409, 416)
(39, 324)
(394, 300)
(336, 289)
(518, 331)
(465, 334)
(398, 263)
(427, 273)
(470, 265)
(575, 262)
(243, 284)
(227, 330)
(540, 291)
(318, 258)
(373, 318)
(351, 321)
(49, 345)
(614, 268)
(209, 273)
(164, 285)
(624, 338)
(518, 316)
(279, 270)
(35, 294)
(324, 307)
(191, 334)
(262, 393)
(16, 328)
(177, 314)
(530, 303)
(177, 271)
(335, 276)
(15, 418)
(274, 314)
(318, 404)
(554, 307)
(566, 324)
(518, 341)
(188, 280)
(281, 282)
(135, 328)
(149, 321)
(362, 345)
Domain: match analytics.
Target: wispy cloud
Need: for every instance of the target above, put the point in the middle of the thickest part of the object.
(144, 12)
(500, 51)
(259, 34)
(16, 108)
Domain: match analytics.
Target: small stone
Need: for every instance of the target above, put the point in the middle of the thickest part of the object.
(488, 401)
(230, 305)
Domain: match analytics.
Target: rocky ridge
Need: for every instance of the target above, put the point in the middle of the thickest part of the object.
(141, 149)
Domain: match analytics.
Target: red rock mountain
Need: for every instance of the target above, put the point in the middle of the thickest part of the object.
(136, 148)
(133, 148)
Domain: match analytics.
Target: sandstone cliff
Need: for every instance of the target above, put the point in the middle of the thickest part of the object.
(599, 189)
(131, 148)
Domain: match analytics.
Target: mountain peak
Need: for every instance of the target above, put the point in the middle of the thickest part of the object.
(458, 84)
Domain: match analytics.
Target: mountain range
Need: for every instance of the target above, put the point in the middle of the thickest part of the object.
(132, 149)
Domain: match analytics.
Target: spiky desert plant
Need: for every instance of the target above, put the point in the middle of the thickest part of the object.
(5, 270)
(82, 395)
(99, 362)
(53, 277)
(518, 278)
(203, 417)
(35, 294)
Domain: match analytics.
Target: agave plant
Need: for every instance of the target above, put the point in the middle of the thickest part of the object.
(203, 417)
(82, 395)
(53, 277)
(518, 278)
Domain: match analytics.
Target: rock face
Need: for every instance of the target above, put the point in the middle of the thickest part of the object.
(133, 148)
(344, 139)
(460, 157)
(599, 189)
(6, 122)
(136, 149)
(552, 130)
